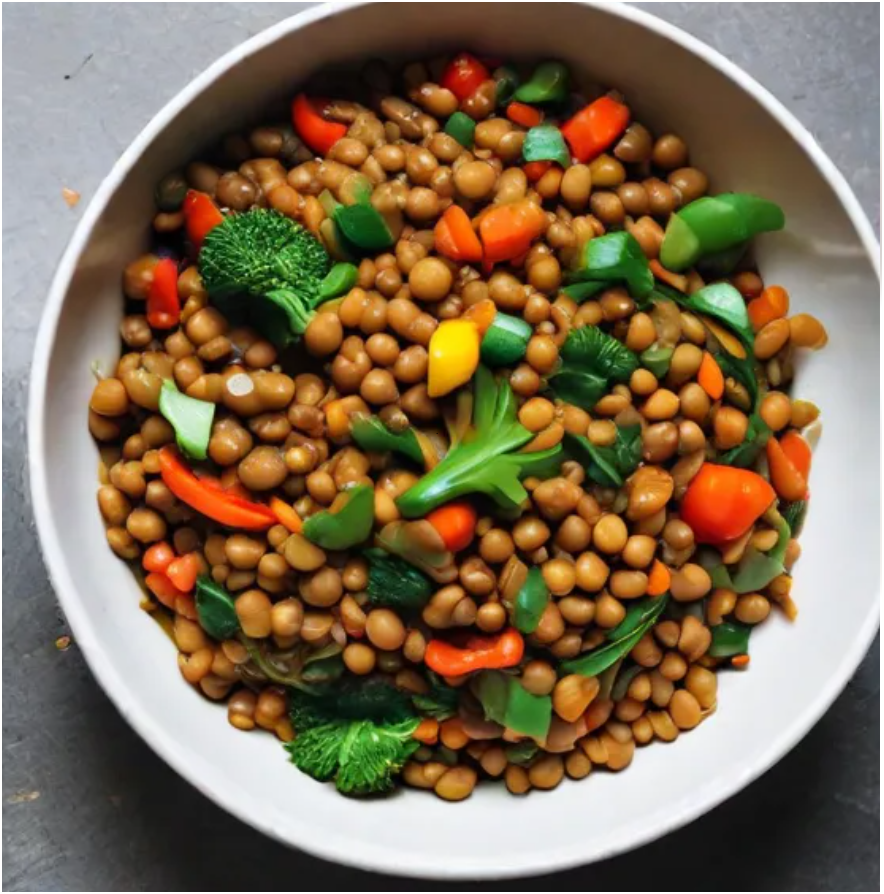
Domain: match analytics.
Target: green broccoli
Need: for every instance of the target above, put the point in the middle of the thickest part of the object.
(393, 582)
(358, 732)
(266, 269)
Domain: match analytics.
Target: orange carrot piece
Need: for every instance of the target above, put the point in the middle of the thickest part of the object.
(427, 731)
(158, 556)
(508, 231)
(786, 479)
(595, 127)
(455, 523)
(482, 313)
(534, 170)
(183, 572)
(710, 377)
(798, 450)
(676, 280)
(524, 115)
(658, 579)
(163, 588)
(286, 515)
(455, 237)
(772, 304)
(740, 661)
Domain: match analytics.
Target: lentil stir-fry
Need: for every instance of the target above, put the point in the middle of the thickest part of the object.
(453, 437)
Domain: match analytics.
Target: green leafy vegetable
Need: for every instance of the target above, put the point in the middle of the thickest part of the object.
(347, 526)
(215, 609)
(394, 583)
(507, 79)
(639, 619)
(608, 466)
(521, 753)
(370, 433)
(591, 362)
(546, 143)
(440, 701)
(191, 419)
(264, 269)
(756, 569)
(710, 560)
(730, 638)
(580, 291)
(744, 455)
(741, 370)
(505, 701)
(486, 461)
(531, 601)
(616, 257)
(338, 281)
(721, 301)
(363, 228)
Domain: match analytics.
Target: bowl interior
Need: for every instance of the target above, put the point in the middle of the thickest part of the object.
(796, 669)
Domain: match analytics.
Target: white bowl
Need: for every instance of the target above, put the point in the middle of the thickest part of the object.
(827, 258)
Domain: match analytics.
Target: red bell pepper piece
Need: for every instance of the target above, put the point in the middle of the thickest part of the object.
(201, 215)
(163, 303)
(463, 75)
(595, 127)
(482, 653)
(320, 135)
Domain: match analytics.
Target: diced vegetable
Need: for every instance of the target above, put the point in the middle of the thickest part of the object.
(157, 557)
(462, 128)
(183, 571)
(756, 569)
(310, 125)
(714, 223)
(595, 127)
(549, 83)
(481, 653)
(506, 340)
(531, 601)
(487, 463)
(191, 419)
(591, 361)
(363, 227)
(163, 304)
(456, 524)
(505, 701)
(346, 523)
(455, 237)
(215, 609)
(730, 638)
(370, 433)
(453, 356)
(201, 216)
(659, 578)
(772, 304)
(525, 115)
(546, 143)
(286, 515)
(657, 359)
(615, 257)
(394, 583)
(464, 75)
(338, 281)
(508, 231)
(506, 80)
(209, 500)
(710, 378)
(722, 503)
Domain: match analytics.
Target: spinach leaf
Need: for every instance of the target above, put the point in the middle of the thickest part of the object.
(371, 434)
(721, 301)
(215, 609)
(345, 526)
(742, 369)
(730, 638)
(505, 701)
(592, 663)
(521, 753)
(743, 456)
(440, 700)
(608, 466)
(531, 602)
(591, 361)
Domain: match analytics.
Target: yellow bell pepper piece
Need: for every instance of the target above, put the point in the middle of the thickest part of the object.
(454, 356)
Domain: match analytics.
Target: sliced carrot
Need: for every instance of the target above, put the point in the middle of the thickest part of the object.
(523, 114)
(786, 479)
(427, 731)
(509, 230)
(710, 377)
(798, 451)
(455, 523)
(158, 556)
(455, 237)
(482, 313)
(183, 572)
(772, 304)
(739, 661)
(676, 280)
(163, 588)
(534, 170)
(286, 515)
(658, 579)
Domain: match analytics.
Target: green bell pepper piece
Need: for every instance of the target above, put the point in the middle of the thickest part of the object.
(215, 609)
(347, 527)
(338, 281)
(505, 701)
(713, 224)
(549, 83)
(730, 638)
(462, 128)
(656, 359)
(363, 227)
(616, 257)
(506, 81)
(531, 601)
(580, 291)
(191, 419)
(506, 340)
(370, 433)
(546, 143)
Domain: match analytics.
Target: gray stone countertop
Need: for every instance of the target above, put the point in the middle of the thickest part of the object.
(87, 806)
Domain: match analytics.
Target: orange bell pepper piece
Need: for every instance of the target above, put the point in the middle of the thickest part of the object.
(482, 653)
(165, 591)
(595, 127)
(523, 114)
(659, 578)
(183, 572)
(456, 524)
(507, 231)
(455, 237)
(772, 304)
(158, 556)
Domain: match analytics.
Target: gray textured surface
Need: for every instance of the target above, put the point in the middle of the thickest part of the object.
(86, 805)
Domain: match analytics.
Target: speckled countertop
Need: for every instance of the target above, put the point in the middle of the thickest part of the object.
(86, 805)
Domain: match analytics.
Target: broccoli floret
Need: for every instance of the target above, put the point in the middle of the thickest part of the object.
(393, 582)
(356, 731)
(265, 267)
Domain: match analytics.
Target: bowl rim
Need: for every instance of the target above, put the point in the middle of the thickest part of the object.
(160, 739)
